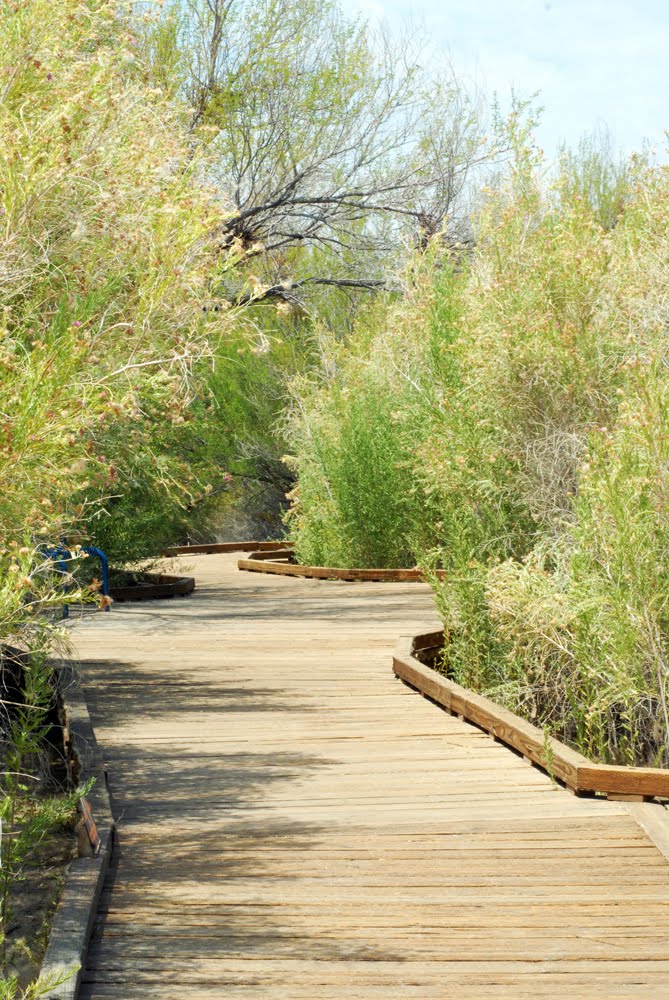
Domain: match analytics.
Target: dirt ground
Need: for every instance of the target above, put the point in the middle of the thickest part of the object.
(33, 902)
(33, 897)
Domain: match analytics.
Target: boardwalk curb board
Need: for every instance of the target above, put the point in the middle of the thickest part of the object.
(154, 588)
(216, 548)
(78, 902)
(579, 774)
(259, 562)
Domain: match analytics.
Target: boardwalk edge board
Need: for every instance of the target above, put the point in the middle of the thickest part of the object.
(78, 902)
(580, 775)
(278, 564)
(214, 548)
(157, 586)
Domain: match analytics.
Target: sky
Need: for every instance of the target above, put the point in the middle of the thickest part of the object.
(594, 62)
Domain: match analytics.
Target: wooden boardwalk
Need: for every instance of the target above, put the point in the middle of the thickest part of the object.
(295, 823)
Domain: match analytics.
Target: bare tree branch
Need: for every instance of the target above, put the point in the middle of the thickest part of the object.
(285, 289)
(326, 135)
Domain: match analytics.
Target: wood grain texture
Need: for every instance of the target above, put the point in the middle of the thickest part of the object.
(294, 823)
(266, 565)
(273, 556)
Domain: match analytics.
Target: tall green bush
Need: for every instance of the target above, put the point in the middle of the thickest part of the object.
(355, 488)
(107, 246)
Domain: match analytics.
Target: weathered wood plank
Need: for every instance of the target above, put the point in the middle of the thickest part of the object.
(154, 587)
(504, 725)
(293, 823)
(73, 920)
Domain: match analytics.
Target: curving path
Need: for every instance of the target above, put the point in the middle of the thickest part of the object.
(295, 823)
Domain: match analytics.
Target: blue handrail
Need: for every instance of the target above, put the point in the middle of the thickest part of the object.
(60, 555)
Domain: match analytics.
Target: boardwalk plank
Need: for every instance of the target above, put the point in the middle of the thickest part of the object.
(296, 823)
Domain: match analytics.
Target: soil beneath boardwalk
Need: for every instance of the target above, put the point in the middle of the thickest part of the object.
(33, 902)
(34, 895)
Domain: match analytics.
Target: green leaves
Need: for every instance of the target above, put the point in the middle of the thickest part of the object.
(524, 452)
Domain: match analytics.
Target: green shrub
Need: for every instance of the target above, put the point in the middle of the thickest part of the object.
(354, 501)
(573, 625)
(107, 246)
(588, 631)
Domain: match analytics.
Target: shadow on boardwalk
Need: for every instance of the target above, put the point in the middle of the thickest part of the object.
(119, 693)
(294, 824)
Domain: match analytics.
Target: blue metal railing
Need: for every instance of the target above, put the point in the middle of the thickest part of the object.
(60, 555)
